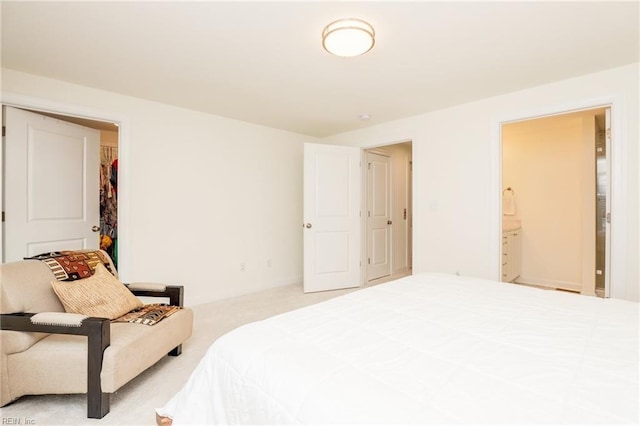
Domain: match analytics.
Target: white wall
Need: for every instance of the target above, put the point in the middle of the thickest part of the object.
(456, 170)
(246, 176)
(199, 194)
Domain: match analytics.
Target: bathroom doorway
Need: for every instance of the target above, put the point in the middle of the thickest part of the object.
(555, 204)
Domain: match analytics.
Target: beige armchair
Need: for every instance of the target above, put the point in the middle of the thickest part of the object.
(47, 351)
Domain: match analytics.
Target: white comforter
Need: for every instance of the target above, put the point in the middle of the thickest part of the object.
(429, 348)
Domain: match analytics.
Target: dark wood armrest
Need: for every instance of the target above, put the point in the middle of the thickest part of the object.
(175, 293)
(98, 332)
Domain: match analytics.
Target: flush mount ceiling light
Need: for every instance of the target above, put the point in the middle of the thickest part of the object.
(348, 37)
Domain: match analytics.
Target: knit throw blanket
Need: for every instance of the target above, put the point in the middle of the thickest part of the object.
(73, 265)
(149, 314)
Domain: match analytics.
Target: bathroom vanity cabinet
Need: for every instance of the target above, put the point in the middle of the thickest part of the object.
(511, 254)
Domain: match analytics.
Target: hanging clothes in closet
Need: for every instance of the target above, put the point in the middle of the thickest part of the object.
(109, 201)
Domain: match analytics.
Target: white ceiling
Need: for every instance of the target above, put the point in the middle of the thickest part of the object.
(262, 62)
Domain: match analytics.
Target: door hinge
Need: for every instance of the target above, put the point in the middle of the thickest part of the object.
(608, 217)
(4, 130)
(3, 216)
(609, 132)
(369, 166)
(369, 261)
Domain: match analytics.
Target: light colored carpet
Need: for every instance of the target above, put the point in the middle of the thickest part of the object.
(135, 403)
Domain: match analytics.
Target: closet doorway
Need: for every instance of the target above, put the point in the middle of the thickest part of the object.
(104, 230)
(387, 213)
(555, 186)
(109, 192)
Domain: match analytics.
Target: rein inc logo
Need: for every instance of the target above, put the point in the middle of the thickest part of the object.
(17, 421)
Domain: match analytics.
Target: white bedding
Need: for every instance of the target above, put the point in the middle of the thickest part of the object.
(430, 348)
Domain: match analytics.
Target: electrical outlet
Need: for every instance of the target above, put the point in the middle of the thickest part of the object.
(243, 266)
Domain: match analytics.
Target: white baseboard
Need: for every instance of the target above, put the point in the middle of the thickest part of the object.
(543, 282)
(402, 271)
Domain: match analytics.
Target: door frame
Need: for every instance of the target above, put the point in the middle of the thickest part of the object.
(47, 106)
(587, 212)
(363, 203)
(617, 273)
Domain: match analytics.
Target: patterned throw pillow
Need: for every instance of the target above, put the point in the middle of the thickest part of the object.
(101, 295)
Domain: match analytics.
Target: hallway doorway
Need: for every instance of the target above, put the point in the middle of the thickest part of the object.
(387, 213)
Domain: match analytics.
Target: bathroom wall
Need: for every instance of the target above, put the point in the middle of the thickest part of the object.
(550, 164)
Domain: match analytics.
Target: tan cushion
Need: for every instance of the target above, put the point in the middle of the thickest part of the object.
(101, 295)
(17, 341)
(134, 347)
(25, 286)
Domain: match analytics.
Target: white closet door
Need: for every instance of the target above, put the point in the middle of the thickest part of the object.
(51, 185)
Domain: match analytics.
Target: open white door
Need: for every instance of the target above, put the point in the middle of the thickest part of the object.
(378, 216)
(51, 185)
(332, 217)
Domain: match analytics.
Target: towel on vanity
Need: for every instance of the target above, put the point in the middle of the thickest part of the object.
(508, 203)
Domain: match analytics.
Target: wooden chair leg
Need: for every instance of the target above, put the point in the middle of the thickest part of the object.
(176, 351)
(98, 404)
(99, 339)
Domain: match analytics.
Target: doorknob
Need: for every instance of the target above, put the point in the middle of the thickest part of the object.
(308, 225)
(95, 228)
(389, 222)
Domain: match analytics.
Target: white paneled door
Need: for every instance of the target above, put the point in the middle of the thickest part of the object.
(51, 185)
(379, 224)
(331, 217)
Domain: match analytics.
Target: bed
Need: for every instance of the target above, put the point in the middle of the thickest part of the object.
(429, 348)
